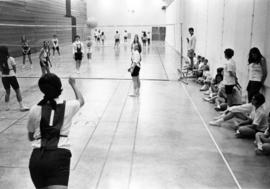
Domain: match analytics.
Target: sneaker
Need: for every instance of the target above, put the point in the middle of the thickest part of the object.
(31, 66)
(260, 146)
(216, 122)
(258, 152)
(23, 66)
(132, 95)
(207, 93)
(24, 108)
(237, 134)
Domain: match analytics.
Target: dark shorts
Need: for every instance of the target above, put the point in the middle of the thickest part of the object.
(78, 56)
(50, 167)
(125, 38)
(253, 88)
(136, 71)
(26, 53)
(55, 48)
(10, 81)
(46, 64)
(117, 40)
(229, 89)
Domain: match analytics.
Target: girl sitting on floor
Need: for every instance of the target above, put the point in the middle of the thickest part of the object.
(250, 125)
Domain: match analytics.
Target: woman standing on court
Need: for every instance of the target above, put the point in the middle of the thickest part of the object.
(26, 50)
(44, 58)
(48, 127)
(135, 42)
(9, 79)
(78, 52)
(257, 72)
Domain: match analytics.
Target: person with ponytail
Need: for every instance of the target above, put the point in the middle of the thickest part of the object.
(9, 79)
(49, 124)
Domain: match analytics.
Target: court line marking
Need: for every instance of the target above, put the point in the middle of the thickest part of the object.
(95, 78)
(96, 126)
(133, 149)
(212, 137)
(162, 63)
(113, 138)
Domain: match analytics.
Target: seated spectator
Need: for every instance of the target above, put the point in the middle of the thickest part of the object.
(203, 66)
(205, 79)
(197, 62)
(263, 141)
(214, 84)
(253, 116)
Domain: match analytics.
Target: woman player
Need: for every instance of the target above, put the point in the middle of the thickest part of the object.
(26, 50)
(44, 57)
(48, 127)
(9, 79)
(78, 52)
(55, 43)
(89, 45)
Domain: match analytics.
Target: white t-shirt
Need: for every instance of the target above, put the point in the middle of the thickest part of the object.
(55, 42)
(229, 67)
(255, 72)
(260, 118)
(192, 43)
(33, 125)
(11, 62)
(117, 36)
(125, 34)
(77, 44)
(136, 58)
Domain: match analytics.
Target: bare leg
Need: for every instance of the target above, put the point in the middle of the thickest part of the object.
(7, 95)
(30, 60)
(56, 187)
(23, 60)
(18, 95)
(246, 132)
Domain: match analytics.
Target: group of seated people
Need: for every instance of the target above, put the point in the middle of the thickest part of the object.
(249, 120)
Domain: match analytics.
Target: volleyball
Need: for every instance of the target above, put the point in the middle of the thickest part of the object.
(92, 22)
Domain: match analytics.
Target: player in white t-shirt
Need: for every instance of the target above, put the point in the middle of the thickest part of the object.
(9, 79)
(89, 48)
(229, 78)
(55, 43)
(78, 52)
(48, 126)
(135, 70)
(116, 39)
(125, 36)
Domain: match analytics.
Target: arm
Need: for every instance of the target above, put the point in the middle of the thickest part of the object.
(264, 70)
(78, 94)
(30, 136)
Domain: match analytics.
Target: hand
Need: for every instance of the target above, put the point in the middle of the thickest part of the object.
(71, 81)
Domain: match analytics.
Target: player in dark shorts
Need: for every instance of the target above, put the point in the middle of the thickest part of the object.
(55, 43)
(26, 50)
(44, 57)
(48, 128)
(78, 52)
(9, 79)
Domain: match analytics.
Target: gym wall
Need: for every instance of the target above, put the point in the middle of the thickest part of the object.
(39, 20)
(221, 24)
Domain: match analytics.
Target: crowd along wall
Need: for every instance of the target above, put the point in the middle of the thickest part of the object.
(221, 24)
(38, 20)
